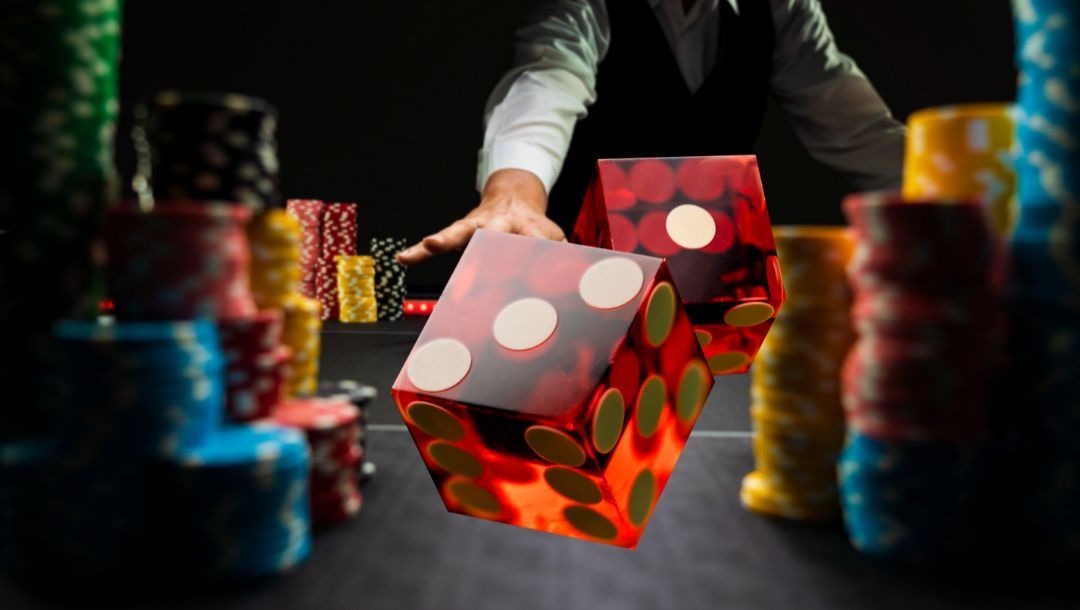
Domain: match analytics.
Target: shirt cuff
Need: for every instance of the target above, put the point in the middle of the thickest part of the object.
(518, 155)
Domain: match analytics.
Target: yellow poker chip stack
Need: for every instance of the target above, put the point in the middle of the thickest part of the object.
(795, 381)
(274, 238)
(963, 153)
(356, 288)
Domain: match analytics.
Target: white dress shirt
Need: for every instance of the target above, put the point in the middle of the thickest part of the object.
(832, 107)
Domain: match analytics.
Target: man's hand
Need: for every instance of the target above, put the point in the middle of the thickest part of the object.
(513, 201)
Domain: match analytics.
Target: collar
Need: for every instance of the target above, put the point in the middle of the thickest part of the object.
(734, 4)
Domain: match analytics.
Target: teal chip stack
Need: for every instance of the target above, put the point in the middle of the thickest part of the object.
(1045, 294)
(236, 506)
(58, 109)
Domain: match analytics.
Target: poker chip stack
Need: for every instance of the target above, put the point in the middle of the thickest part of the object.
(333, 434)
(276, 246)
(963, 153)
(338, 239)
(207, 147)
(257, 364)
(58, 110)
(274, 240)
(356, 289)
(927, 280)
(308, 213)
(362, 397)
(389, 277)
(795, 389)
(1044, 300)
(179, 261)
(234, 507)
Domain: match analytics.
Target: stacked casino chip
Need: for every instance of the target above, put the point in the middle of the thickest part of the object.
(308, 214)
(301, 334)
(274, 240)
(124, 394)
(963, 153)
(1044, 297)
(234, 507)
(207, 147)
(927, 279)
(257, 364)
(389, 277)
(58, 111)
(180, 260)
(338, 238)
(362, 397)
(356, 289)
(333, 434)
(796, 408)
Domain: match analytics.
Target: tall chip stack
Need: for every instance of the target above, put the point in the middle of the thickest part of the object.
(389, 277)
(927, 279)
(58, 111)
(275, 239)
(258, 364)
(308, 213)
(338, 239)
(333, 433)
(962, 153)
(356, 289)
(795, 388)
(1044, 299)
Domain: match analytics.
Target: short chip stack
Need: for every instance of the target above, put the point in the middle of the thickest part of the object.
(234, 507)
(302, 328)
(274, 240)
(58, 112)
(362, 397)
(181, 260)
(207, 147)
(256, 364)
(927, 278)
(356, 288)
(1044, 300)
(308, 213)
(389, 277)
(963, 153)
(796, 408)
(333, 433)
(338, 239)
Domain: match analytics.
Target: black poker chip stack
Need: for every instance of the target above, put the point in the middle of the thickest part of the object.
(363, 398)
(389, 277)
(207, 147)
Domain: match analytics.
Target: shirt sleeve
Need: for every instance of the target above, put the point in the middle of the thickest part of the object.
(832, 107)
(530, 116)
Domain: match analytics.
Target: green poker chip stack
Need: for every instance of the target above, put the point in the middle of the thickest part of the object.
(59, 77)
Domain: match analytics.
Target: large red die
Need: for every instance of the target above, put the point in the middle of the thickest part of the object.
(707, 217)
(554, 387)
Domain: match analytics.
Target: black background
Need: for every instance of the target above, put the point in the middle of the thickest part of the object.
(382, 100)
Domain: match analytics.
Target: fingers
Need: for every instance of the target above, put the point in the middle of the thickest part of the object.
(544, 230)
(451, 238)
(414, 254)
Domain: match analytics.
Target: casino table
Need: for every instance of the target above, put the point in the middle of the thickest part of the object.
(701, 549)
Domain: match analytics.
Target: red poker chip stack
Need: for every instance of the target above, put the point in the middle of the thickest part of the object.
(179, 261)
(256, 364)
(927, 278)
(309, 214)
(333, 432)
(338, 238)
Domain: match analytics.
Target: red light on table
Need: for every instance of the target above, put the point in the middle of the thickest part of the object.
(106, 306)
(419, 307)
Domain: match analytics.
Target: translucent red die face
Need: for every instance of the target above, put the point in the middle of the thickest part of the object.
(707, 217)
(554, 387)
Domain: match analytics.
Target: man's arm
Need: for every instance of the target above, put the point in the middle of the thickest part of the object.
(833, 108)
(529, 121)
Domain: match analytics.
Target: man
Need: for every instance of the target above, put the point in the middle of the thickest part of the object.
(662, 78)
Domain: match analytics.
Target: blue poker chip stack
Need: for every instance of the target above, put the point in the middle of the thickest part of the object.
(234, 507)
(915, 502)
(1045, 301)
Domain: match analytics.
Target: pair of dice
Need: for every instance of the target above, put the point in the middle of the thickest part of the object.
(555, 384)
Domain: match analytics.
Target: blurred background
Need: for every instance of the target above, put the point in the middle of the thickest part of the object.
(382, 101)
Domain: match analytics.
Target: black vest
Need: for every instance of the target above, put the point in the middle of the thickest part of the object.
(645, 109)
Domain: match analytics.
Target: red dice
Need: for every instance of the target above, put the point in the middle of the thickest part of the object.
(707, 217)
(554, 387)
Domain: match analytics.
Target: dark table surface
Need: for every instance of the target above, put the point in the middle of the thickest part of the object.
(701, 549)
